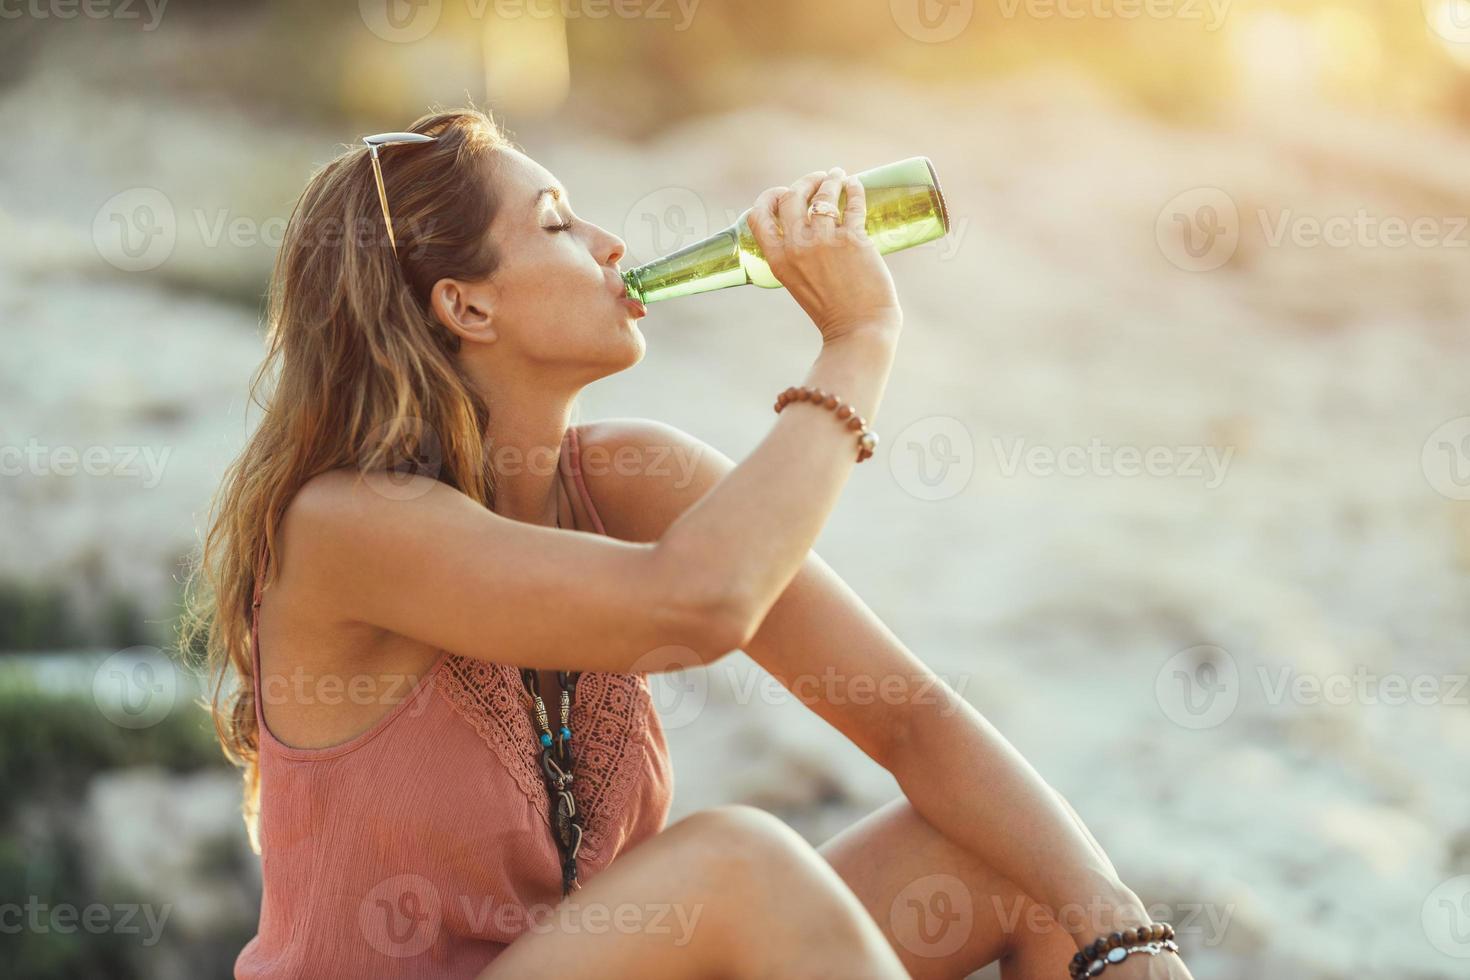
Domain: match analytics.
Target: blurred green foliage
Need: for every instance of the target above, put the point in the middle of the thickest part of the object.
(43, 616)
(41, 868)
(52, 742)
(35, 617)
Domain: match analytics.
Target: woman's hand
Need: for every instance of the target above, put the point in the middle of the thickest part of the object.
(828, 263)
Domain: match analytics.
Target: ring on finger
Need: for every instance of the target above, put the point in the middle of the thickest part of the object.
(822, 209)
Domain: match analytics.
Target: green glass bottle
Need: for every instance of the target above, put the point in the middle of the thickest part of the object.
(905, 208)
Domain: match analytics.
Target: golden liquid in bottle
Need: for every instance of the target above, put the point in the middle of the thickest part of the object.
(905, 208)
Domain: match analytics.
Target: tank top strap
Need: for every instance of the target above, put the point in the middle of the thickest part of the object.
(574, 465)
(262, 564)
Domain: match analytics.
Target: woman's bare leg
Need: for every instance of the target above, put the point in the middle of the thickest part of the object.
(944, 912)
(730, 892)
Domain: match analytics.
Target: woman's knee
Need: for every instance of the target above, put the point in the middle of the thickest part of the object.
(744, 844)
(776, 886)
(760, 862)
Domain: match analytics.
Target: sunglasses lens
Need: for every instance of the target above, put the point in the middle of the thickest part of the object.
(384, 139)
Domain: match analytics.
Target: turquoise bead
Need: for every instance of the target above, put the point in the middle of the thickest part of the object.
(545, 738)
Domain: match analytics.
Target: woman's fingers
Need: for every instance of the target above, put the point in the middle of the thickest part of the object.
(794, 205)
(855, 215)
(764, 224)
(837, 276)
(827, 193)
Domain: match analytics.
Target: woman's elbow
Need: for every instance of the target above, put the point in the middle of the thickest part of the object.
(705, 615)
(713, 626)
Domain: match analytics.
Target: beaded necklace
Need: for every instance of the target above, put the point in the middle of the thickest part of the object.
(556, 767)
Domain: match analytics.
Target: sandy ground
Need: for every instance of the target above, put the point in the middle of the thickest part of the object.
(1245, 667)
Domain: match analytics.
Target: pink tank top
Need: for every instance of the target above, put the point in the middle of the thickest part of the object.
(422, 847)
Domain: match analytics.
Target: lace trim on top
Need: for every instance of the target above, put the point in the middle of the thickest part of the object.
(608, 723)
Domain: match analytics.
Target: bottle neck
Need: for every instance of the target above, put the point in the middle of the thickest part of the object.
(712, 263)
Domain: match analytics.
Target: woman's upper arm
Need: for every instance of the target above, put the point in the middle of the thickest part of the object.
(423, 560)
(819, 639)
(643, 474)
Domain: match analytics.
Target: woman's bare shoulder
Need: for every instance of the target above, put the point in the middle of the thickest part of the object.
(643, 473)
(341, 517)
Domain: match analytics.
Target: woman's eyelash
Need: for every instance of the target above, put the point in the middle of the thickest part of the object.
(564, 227)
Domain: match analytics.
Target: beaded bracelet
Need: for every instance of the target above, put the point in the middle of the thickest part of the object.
(1106, 951)
(867, 439)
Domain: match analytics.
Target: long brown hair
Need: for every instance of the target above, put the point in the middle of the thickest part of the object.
(358, 373)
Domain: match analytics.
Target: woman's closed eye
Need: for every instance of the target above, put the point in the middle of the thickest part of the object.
(565, 226)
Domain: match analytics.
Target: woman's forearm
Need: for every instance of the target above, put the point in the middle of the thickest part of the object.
(972, 785)
(748, 537)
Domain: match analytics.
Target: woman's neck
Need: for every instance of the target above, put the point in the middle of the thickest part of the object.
(523, 440)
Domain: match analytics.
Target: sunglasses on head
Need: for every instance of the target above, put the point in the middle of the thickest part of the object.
(373, 143)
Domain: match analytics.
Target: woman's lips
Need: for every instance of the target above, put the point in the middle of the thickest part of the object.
(635, 309)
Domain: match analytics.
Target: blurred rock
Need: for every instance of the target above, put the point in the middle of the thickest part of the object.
(178, 841)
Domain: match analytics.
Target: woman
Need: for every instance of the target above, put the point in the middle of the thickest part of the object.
(415, 514)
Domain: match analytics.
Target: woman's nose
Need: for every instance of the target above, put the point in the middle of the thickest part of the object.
(614, 248)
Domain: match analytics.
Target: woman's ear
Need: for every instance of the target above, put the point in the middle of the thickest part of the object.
(465, 308)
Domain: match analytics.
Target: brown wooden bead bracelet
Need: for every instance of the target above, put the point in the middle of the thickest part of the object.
(867, 439)
(1112, 949)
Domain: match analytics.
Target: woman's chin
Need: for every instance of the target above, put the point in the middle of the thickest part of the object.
(627, 351)
(637, 345)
